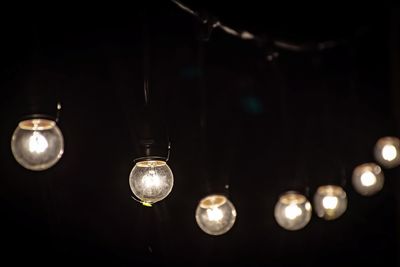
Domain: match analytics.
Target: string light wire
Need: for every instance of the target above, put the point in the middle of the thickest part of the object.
(258, 39)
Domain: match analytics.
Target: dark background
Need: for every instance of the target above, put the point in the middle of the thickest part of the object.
(303, 120)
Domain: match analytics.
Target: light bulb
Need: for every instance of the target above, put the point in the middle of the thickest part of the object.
(37, 144)
(386, 152)
(151, 180)
(330, 202)
(292, 211)
(368, 179)
(215, 214)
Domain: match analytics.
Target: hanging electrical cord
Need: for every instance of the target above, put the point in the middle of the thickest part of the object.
(215, 213)
(213, 183)
(151, 179)
(146, 65)
(203, 107)
(258, 39)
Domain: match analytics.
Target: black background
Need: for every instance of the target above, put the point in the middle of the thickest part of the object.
(303, 120)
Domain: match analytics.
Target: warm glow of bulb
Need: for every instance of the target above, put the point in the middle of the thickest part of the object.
(37, 143)
(214, 214)
(389, 152)
(151, 180)
(368, 178)
(330, 202)
(292, 211)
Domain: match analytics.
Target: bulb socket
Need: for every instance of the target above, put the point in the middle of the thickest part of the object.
(38, 116)
(149, 149)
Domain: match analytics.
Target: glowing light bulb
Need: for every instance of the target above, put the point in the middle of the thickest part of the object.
(37, 144)
(215, 214)
(368, 179)
(330, 202)
(151, 181)
(386, 152)
(292, 211)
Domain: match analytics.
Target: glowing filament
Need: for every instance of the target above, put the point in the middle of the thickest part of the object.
(368, 178)
(330, 202)
(389, 152)
(151, 180)
(214, 214)
(292, 211)
(37, 143)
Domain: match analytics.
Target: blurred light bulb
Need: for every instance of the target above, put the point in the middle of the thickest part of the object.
(151, 180)
(330, 202)
(37, 144)
(386, 152)
(215, 214)
(292, 211)
(368, 179)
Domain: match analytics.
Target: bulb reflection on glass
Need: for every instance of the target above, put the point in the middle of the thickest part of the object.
(368, 179)
(330, 202)
(37, 144)
(151, 181)
(215, 214)
(292, 211)
(386, 152)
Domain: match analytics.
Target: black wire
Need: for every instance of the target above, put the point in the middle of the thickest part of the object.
(146, 58)
(259, 39)
(203, 109)
(155, 125)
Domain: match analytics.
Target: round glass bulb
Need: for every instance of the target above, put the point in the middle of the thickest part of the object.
(151, 181)
(368, 179)
(292, 211)
(330, 202)
(387, 152)
(215, 214)
(37, 144)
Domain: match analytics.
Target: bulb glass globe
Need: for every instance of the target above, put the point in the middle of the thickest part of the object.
(368, 179)
(330, 202)
(387, 152)
(151, 180)
(292, 211)
(215, 214)
(37, 144)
